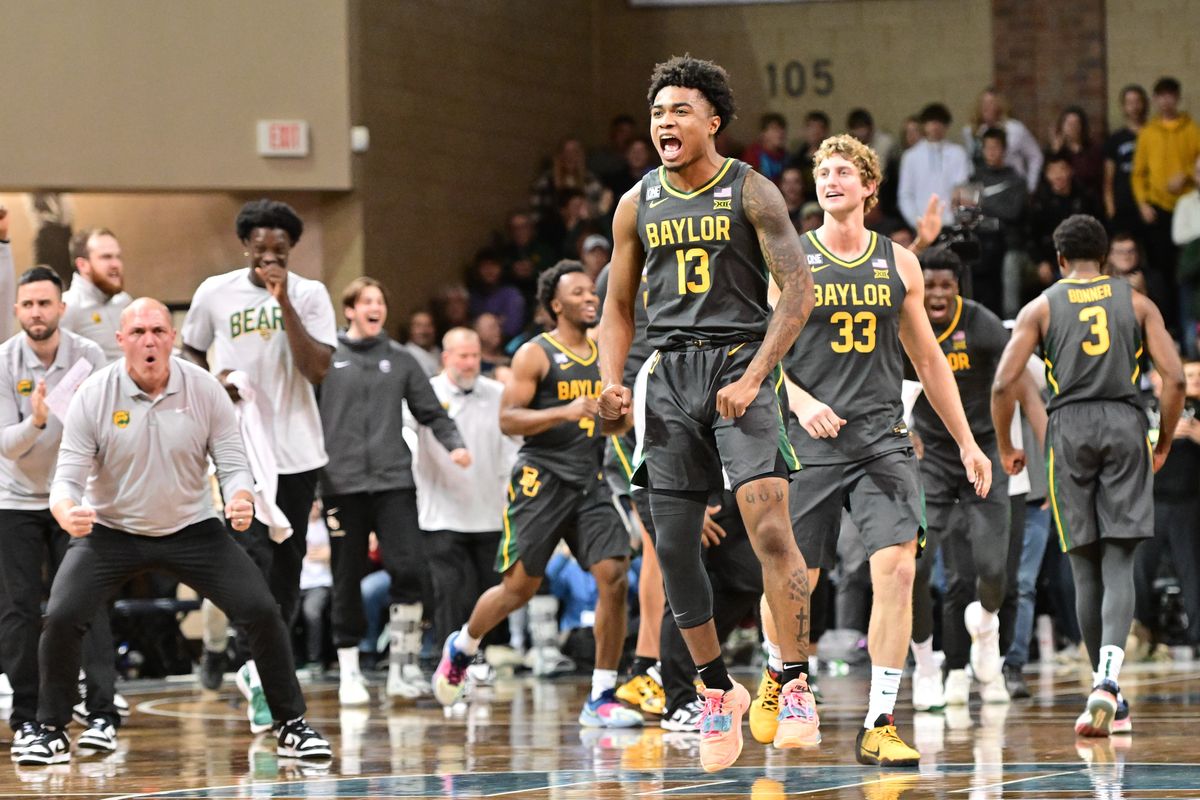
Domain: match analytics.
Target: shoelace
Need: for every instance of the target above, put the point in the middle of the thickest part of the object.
(795, 704)
(713, 707)
(770, 700)
(889, 734)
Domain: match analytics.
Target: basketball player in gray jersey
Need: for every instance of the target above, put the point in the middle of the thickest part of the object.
(709, 233)
(846, 370)
(1092, 330)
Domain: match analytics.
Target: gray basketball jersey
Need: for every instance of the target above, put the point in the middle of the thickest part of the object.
(704, 275)
(848, 355)
(1092, 342)
(571, 450)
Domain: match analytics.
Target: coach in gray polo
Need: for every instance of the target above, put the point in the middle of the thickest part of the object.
(141, 430)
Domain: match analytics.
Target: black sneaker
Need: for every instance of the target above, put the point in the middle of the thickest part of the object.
(99, 736)
(298, 740)
(49, 746)
(1014, 681)
(24, 734)
(212, 669)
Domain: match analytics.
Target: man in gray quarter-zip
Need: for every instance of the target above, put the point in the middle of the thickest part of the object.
(96, 297)
(138, 436)
(368, 486)
(32, 364)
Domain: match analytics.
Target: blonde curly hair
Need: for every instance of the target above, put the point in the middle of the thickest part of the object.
(857, 153)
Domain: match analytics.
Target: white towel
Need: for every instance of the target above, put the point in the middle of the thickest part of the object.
(254, 420)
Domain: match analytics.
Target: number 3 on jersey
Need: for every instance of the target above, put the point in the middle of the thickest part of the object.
(693, 270)
(846, 323)
(1099, 319)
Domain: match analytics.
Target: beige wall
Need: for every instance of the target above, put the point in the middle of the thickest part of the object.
(889, 56)
(131, 95)
(1151, 38)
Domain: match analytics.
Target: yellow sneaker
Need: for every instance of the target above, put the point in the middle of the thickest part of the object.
(644, 692)
(882, 746)
(721, 727)
(764, 711)
(798, 722)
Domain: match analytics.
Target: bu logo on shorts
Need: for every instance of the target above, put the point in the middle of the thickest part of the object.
(529, 481)
(121, 419)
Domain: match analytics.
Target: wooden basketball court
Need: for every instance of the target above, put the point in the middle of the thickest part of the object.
(519, 739)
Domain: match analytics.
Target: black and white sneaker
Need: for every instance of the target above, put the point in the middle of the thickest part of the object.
(685, 719)
(79, 712)
(298, 740)
(48, 746)
(99, 736)
(25, 734)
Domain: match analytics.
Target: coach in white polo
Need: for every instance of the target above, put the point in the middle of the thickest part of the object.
(131, 487)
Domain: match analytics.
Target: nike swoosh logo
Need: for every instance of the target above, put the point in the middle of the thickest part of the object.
(870, 752)
(658, 203)
(818, 269)
(994, 189)
(340, 364)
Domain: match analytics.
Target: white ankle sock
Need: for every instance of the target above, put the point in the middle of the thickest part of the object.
(885, 686)
(465, 643)
(923, 653)
(602, 681)
(1111, 659)
(774, 654)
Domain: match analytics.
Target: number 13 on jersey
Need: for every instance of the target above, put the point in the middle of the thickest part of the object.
(693, 270)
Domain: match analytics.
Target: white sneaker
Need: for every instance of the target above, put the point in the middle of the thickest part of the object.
(957, 688)
(353, 691)
(985, 642)
(407, 682)
(928, 692)
(548, 661)
(994, 691)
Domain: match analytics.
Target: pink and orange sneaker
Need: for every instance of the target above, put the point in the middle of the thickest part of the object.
(798, 722)
(1101, 711)
(721, 727)
(451, 674)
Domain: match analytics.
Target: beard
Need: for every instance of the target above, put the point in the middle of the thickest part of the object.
(104, 284)
(48, 330)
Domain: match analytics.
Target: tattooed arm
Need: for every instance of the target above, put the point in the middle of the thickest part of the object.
(781, 251)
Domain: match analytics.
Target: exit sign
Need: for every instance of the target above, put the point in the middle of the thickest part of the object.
(283, 138)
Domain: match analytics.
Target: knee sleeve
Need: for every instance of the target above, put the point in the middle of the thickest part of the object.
(678, 519)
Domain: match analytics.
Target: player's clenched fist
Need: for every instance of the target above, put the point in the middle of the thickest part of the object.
(583, 408)
(734, 399)
(239, 512)
(615, 401)
(80, 520)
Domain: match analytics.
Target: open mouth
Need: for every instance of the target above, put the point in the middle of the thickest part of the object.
(373, 320)
(671, 145)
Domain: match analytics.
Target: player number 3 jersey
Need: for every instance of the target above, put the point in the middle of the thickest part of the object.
(705, 276)
(1092, 342)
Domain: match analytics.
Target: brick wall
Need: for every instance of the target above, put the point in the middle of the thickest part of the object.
(1048, 56)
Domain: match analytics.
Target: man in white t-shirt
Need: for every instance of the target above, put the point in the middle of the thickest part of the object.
(278, 328)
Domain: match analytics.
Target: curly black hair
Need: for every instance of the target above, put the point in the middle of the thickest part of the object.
(269, 214)
(1081, 237)
(547, 285)
(942, 257)
(708, 78)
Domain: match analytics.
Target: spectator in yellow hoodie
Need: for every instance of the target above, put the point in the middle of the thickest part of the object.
(1167, 148)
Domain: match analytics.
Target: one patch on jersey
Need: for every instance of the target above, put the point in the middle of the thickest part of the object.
(881, 268)
(561, 358)
(724, 191)
(723, 205)
(814, 259)
(958, 340)
(385, 365)
(653, 192)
